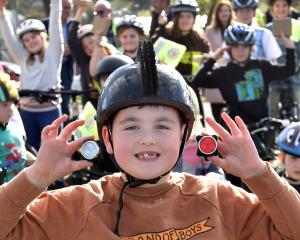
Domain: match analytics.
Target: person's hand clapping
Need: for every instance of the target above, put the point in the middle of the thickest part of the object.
(54, 156)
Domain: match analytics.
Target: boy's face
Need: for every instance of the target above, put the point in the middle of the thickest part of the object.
(280, 9)
(6, 112)
(240, 53)
(245, 15)
(292, 165)
(146, 140)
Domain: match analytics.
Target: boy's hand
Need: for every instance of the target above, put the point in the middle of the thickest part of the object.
(219, 53)
(239, 154)
(54, 157)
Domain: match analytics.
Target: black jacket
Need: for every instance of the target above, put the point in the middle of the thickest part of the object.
(245, 88)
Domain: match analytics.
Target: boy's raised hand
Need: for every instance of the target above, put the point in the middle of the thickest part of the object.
(239, 154)
(54, 156)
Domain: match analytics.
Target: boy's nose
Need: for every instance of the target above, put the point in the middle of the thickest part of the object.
(147, 138)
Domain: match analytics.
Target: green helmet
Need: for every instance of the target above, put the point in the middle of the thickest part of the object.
(8, 91)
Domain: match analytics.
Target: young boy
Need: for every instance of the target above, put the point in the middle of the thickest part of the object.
(12, 145)
(144, 117)
(243, 82)
(288, 143)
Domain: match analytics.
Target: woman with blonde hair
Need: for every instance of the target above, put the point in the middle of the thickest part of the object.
(40, 60)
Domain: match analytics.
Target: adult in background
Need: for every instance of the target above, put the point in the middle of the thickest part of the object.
(67, 62)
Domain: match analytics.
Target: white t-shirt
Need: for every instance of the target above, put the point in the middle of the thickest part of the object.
(266, 46)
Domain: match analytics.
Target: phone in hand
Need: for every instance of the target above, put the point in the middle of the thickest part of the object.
(101, 24)
(282, 26)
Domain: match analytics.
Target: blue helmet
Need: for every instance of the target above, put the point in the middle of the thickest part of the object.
(241, 34)
(289, 139)
(239, 4)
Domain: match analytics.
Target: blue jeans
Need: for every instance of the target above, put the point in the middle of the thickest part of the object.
(34, 122)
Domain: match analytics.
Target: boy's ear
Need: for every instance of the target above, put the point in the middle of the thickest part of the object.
(106, 139)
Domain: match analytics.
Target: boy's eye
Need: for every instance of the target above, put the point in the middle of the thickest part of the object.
(131, 128)
(162, 126)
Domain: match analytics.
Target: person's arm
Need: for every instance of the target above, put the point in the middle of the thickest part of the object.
(73, 41)
(276, 214)
(13, 44)
(101, 50)
(207, 77)
(53, 162)
(56, 41)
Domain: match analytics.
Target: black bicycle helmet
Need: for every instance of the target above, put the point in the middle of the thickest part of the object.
(240, 34)
(185, 6)
(142, 83)
(130, 21)
(238, 4)
(110, 63)
(289, 139)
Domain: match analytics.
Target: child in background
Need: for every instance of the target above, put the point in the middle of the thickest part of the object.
(144, 117)
(289, 144)
(12, 145)
(280, 11)
(244, 82)
(129, 33)
(40, 59)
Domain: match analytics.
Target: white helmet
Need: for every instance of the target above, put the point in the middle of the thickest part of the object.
(84, 30)
(30, 25)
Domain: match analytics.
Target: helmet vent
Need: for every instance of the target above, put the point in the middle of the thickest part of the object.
(146, 60)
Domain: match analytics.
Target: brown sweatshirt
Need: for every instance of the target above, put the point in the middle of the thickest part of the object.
(186, 207)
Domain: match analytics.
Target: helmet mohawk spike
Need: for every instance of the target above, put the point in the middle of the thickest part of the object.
(147, 63)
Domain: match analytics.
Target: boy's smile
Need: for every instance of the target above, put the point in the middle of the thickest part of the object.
(146, 140)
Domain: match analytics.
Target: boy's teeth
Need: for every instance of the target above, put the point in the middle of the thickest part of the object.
(147, 155)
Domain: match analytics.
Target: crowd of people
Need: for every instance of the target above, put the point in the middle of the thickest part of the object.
(149, 117)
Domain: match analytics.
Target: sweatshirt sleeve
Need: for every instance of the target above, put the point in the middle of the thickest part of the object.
(11, 41)
(281, 203)
(279, 72)
(15, 196)
(206, 76)
(55, 31)
(272, 213)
